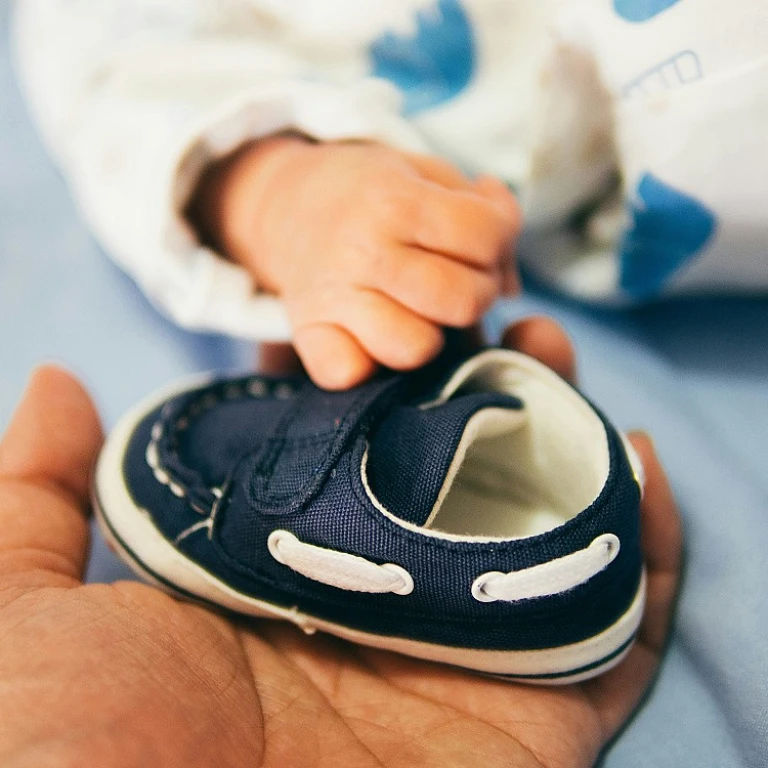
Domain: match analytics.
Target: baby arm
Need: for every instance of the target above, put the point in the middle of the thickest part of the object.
(371, 250)
(136, 100)
(358, 251)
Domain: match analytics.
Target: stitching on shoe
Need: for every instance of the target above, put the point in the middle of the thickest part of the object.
(199, 526)
(266, 467)
(265, 471)
(207, 400)
(221, 496)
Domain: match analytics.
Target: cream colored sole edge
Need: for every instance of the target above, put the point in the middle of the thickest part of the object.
(131, 533)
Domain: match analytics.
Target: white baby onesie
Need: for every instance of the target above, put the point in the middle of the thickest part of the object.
(631, 129)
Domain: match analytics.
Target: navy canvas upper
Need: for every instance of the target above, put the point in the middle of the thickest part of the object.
(411, 450)
(289, 457)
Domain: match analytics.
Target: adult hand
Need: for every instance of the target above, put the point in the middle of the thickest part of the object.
(124, 675)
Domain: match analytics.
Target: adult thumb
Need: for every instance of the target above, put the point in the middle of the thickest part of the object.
(46, 458)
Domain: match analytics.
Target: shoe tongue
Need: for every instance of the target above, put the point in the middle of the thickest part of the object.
(415, 452)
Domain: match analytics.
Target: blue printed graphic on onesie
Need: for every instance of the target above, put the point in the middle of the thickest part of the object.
(432, 66)
(668, 230)
(641, 10)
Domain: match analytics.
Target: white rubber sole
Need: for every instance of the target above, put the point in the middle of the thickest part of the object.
(132, 534)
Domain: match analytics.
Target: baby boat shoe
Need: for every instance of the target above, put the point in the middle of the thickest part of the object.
(482, 514)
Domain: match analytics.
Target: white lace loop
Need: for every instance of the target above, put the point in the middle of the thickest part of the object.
(550, 578)
(338, 569)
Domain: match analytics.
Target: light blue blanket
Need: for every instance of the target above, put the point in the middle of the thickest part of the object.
(693, 373)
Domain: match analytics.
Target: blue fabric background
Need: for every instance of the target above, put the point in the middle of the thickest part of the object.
(695, 373)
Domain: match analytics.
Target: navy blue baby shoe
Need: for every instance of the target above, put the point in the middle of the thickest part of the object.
(481, 514)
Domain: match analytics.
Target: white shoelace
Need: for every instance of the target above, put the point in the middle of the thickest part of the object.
(549, 578)
(356, 574)
(338, 569)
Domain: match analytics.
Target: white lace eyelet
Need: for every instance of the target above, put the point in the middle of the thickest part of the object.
(342, 570)
(407, 587)
(273, 543)
(550, 578)
(478, 587)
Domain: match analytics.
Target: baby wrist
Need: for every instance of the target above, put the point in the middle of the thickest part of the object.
(225, 206)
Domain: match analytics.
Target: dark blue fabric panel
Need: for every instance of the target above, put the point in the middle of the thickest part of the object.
(412, 449)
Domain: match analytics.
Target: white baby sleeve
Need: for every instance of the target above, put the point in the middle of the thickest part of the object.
(134, 97)
(686, 127)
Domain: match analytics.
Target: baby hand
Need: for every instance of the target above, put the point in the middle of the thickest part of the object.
(372, 250)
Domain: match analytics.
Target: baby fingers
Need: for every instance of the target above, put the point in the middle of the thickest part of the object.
(435, 287)
(475, 227)
(385, 330)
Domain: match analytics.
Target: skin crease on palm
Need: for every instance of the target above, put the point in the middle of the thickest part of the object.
(123, 675)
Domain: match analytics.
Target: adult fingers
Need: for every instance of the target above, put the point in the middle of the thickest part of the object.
(46, 458)
(662, 540)
(544, 339)
(278, 359)
(616, 694)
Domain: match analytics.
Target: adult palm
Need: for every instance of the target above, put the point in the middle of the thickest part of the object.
(124, 675)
